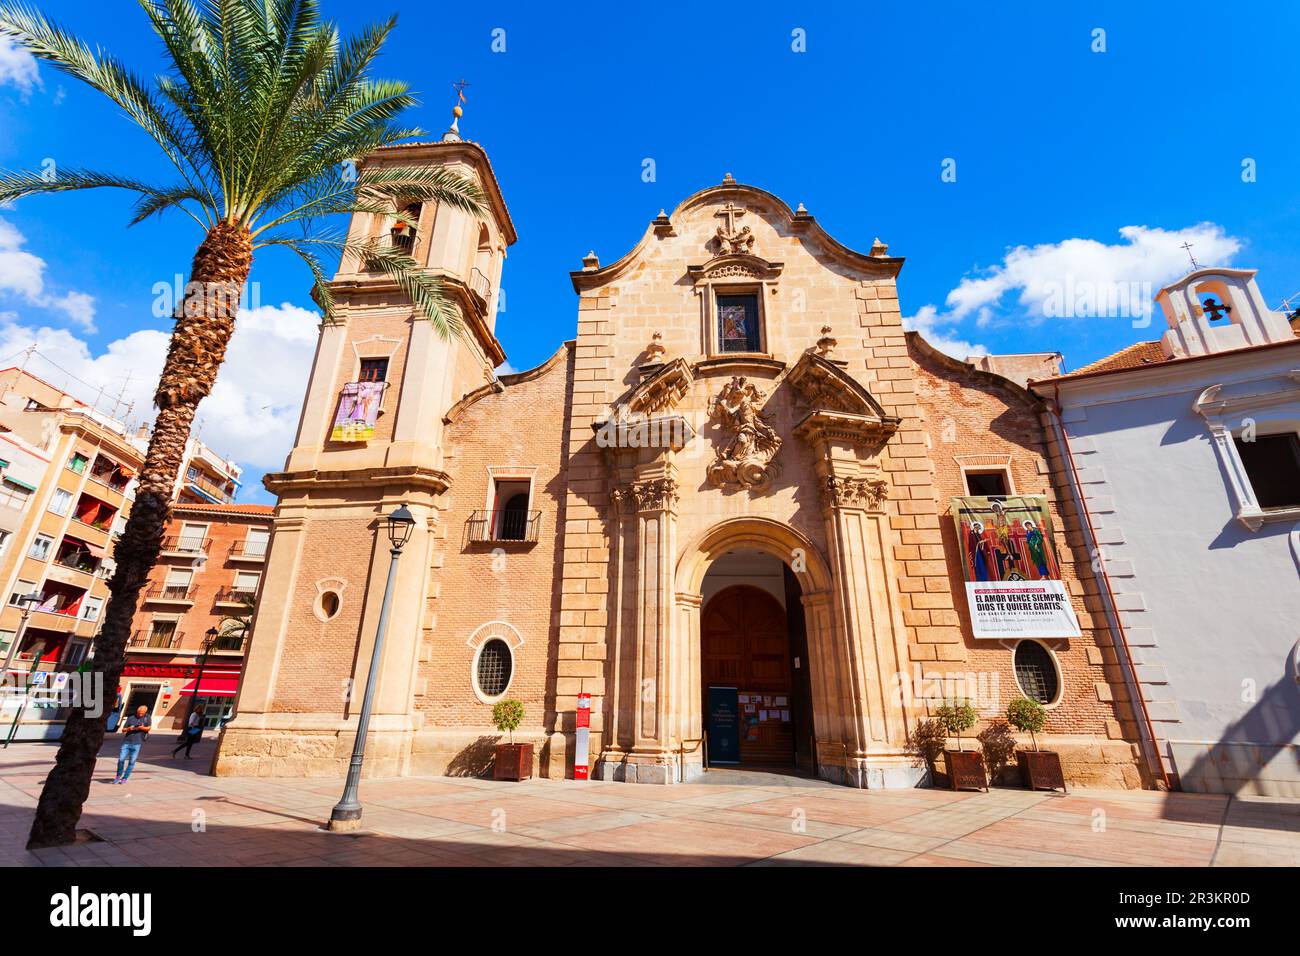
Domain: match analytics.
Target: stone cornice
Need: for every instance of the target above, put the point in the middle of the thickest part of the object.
(861, 431)
(412, 477)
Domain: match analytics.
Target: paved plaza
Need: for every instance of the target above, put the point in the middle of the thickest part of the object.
(171, 813)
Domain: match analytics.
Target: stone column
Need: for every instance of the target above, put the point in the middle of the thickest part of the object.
(867, 659)
(652, 759)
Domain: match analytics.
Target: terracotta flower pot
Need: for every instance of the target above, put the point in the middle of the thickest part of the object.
(965, 769)
(513, 762)
(1040, 769)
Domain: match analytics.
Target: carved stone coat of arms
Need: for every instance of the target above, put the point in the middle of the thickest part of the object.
(747, 458)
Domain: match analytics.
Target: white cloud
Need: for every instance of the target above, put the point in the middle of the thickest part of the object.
(251, 415)
(1147, 257)
(930, 324)
(1074, 278)
(18, 68)
(23, 274)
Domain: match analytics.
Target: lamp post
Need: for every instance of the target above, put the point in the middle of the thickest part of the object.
(27, 601)
(209, 641)
(347, 812)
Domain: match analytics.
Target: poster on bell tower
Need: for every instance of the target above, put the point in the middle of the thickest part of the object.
(1013, 581)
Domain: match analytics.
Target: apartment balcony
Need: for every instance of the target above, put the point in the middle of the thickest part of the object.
(235, 598)
(176, 594)
(154, 641)
(207, 489)
(504, 527)
(175, 546)
(229, 645)
(252, 552)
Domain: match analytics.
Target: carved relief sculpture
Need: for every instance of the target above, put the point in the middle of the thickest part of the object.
(747, 460)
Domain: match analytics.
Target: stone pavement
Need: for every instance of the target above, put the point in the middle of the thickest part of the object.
(171, 814)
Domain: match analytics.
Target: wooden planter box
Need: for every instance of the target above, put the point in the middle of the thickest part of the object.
(1040, 769)
(513, 762)
(965, 769)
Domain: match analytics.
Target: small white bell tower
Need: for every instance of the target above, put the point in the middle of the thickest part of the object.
(1218, 310)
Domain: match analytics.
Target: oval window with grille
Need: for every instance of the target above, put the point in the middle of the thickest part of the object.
(495, 666)
(1036, 672)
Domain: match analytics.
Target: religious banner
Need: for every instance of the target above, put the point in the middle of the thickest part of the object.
(1013, 583)
(358, 409)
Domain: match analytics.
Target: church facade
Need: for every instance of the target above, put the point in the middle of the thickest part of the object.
(721, 517)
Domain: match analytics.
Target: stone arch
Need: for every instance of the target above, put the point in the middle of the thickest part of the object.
(763, 534)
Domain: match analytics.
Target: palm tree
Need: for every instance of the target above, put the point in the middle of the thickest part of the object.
(264, 113)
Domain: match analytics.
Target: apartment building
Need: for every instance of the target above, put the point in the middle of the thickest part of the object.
(194, 613)
(67, 477)
(67, 480)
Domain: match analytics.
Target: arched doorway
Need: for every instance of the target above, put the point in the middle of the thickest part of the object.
(755, 684)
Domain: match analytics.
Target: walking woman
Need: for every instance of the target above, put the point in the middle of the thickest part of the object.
(193, 731)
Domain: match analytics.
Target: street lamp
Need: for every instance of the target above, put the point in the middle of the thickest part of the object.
(347, 812)
(27, 601)
(209, 641)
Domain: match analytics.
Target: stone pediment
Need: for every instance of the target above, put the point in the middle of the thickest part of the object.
(824, 385)
(840, 407)
(739, 265)
(658, 391)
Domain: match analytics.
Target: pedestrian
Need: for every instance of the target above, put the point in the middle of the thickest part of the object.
(136, 730)
(190, 736)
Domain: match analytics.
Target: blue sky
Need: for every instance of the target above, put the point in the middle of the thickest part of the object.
(1057, 149)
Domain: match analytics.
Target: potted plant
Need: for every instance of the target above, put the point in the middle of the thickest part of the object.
(1039, 769)
(965, 768)
(513, 761)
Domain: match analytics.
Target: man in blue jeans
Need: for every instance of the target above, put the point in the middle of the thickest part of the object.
(137, 731)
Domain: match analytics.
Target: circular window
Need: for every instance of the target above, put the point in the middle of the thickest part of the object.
(328, 604)
(1036, 672)
(495, 665)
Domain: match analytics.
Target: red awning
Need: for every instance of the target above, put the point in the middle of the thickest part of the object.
(214, 685)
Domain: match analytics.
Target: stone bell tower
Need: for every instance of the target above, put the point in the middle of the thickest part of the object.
(370, 439)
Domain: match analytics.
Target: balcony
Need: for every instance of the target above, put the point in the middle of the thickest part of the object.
(176, 546)
(235, 597)
(110, 475)
(229, 644)
(250, 551)
(208, 489)
(481, 286)
(154, 640)
(170, 594)
(506, 526)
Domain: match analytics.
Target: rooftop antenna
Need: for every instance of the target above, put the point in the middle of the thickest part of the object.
(1187, 247)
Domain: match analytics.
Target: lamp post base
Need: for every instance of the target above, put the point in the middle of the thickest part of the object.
(345, 819)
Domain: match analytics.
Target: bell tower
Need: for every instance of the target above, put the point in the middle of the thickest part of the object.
(1218, 310)
(370, 439)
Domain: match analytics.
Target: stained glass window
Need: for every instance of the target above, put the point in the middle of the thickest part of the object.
(738, 323)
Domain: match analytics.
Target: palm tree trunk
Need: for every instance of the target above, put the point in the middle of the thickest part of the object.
(198, 346)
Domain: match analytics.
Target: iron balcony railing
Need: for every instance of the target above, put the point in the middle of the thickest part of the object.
(480, 284)
(162, 640)
(229, 642)
(504, 525)
(248, 549)
(170, 592)
(235, 596)
(185, 544)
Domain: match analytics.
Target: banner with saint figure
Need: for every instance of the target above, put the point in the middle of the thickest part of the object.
(1013, 583)
(358, 409)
